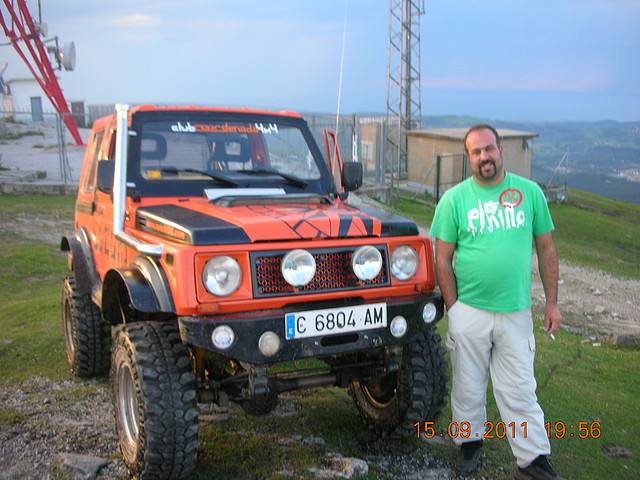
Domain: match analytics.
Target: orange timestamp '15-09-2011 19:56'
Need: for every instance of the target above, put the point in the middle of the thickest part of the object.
(503, 430)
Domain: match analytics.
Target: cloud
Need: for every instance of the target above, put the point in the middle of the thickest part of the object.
(550, 80)
(287, 53)
(135, 21)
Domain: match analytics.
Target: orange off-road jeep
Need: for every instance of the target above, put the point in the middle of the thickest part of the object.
(211, 244)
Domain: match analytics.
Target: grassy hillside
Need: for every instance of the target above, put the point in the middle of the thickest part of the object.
(594, 231)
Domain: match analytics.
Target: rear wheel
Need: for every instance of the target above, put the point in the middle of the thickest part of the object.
(154, 395)
(392, 404)
(87, 337)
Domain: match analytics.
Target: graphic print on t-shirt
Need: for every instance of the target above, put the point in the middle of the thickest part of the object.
(511, 197)
(489, 216)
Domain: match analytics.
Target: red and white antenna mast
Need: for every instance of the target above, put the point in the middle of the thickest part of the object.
(24, 34)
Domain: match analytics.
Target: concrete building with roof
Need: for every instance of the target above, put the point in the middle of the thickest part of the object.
(437, 160)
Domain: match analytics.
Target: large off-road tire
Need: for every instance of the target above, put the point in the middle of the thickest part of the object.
(87, 337)
(390, 405)
(154, 395)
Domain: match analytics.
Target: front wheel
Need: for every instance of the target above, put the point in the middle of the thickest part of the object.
(392, 404)
(154, 395)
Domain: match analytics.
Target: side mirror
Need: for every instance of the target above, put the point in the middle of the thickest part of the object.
(352, 173)
(106, 173)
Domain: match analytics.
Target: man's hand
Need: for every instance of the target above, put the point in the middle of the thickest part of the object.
(444, 271)
(552, 318)
(548, 266)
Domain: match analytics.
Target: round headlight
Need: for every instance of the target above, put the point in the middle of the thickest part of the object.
(222, 275)
(298, 267)
(366, 263)
(404, 262)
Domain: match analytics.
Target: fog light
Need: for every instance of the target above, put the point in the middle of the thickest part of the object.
(298, 267)
(429, 313)
(398, 326)
(269, 343)
(366, 263)
(223, 337)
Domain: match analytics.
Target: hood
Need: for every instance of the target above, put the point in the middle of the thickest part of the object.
(198, 223)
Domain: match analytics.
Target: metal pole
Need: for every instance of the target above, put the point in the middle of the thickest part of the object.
(437, 179)
(65, 168)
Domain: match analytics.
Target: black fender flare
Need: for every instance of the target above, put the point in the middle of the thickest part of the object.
(81, 260)
(145, 283)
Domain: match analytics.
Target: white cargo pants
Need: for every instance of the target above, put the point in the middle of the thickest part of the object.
(503, 345)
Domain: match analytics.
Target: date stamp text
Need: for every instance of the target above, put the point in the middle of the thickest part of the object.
(510, 430)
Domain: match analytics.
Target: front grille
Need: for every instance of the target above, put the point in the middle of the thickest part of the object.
(333, 273)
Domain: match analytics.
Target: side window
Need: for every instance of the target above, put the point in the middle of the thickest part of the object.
(89, 179)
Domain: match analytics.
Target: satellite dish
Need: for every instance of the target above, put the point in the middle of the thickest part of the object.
(68, 56)
(42, 29)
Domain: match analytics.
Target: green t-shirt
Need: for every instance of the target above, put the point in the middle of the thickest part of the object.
(493, 228)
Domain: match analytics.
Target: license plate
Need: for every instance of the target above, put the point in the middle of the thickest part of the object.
(331, 321)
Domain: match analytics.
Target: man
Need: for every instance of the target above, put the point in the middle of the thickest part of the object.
(487, 223)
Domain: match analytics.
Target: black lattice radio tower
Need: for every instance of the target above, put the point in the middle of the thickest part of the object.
(404, 103)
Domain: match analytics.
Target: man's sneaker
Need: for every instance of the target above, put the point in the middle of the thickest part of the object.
(468, 456)
(539, 469)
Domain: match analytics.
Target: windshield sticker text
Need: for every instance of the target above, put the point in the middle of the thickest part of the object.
(268, 130)
(215, 128)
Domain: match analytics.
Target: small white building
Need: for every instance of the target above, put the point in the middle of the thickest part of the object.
(436, 158)
(24, 101)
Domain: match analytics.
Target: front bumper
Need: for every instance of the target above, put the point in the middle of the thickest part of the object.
(249, 326)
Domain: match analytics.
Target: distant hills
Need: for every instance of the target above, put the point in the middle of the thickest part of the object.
(600, 157)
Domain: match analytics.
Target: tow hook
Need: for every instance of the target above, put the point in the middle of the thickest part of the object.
(258, 381)
(393, 358)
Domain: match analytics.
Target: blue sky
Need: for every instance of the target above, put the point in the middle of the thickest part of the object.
(537, 60)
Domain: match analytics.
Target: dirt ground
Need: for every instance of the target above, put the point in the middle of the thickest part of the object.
(594, 304)
(35, 154)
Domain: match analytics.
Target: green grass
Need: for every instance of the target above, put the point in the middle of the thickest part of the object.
(416, 207)
(599, 233)
(260, 447)
(577, 382)
(30, 282)
(27, 133)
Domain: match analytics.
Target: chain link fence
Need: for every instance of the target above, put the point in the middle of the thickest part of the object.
(361, 139)
(36, 118)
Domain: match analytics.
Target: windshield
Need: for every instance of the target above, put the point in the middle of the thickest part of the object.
(190, 150)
